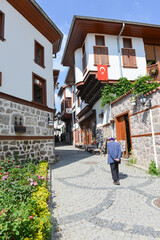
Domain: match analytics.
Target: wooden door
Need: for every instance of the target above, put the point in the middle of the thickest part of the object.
(121, 132)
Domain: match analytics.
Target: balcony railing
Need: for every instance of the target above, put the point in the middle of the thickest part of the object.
(154, 71)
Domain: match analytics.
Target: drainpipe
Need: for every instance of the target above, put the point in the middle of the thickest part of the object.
(119, 50)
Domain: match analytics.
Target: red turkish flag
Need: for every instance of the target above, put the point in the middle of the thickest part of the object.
(102, 72)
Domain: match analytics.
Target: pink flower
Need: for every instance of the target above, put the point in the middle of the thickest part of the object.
(35, 183)
(39, 177)
(31, 183)
(0, 168)
(12, 238)
(0, 212)
(18, 166)
(0, 173)
(9, 190)
(7, 173)
(31, 217)
(43, 178)
(3, 210)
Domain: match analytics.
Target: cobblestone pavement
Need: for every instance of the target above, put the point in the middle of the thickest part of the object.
(88, 206)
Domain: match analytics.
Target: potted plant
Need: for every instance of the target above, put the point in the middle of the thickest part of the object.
(153, 71)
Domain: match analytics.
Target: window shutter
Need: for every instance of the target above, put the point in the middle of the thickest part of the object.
(132, 58)
(97, 55)
(104, 56)
(2, 25)
(125, 57)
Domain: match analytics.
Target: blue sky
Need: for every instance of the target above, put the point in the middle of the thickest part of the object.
(61, 12)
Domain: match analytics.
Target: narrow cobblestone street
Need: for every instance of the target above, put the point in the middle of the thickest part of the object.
(89, 207)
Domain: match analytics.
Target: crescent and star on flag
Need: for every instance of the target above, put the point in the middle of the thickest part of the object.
(102, 72)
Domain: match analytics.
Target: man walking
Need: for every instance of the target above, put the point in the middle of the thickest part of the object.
(114, 159)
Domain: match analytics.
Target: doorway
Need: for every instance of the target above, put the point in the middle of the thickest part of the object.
(123, 133)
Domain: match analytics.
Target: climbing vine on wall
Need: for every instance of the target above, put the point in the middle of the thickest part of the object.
(142, 84)
(114, 91)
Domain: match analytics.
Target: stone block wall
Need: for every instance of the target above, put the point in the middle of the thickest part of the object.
(140, 124)
(35, 120)
(38, 149)
(38, 140)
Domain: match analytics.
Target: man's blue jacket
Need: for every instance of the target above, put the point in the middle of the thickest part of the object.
(114, 151)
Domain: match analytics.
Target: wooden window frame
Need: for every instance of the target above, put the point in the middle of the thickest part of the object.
(41, 54)
(78, 101)
(68, 102)
(84, 59)
(99, 36)
(131, 54)
(127, 39)
(101, 63)
(129, 50)
(44, 92)
(2, 26)
(73, 96)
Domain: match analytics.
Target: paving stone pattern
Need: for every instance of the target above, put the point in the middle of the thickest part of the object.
(89, 207)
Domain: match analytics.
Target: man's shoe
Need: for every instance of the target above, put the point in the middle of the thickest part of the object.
(116, 183)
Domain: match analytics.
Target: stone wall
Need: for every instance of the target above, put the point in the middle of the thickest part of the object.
(38, 140)
(140, 124)
(38, 149)
(35, 120)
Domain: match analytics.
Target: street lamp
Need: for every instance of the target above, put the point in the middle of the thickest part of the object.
(59, 118)
(143, 101)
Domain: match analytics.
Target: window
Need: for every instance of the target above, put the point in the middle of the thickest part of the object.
(74, 117)
(128, 54)
(68, 103)
(100, 41)
(100, 51)
(2, 26)
(84, 59)
(62, 105)
(127, 43)
(39, 89)
(78, 100)
(39, 54)
(101, 55)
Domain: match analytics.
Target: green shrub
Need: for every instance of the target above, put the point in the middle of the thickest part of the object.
(132, 160)
(22, 214)
(153, 170)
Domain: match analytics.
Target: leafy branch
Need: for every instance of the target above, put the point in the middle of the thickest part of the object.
(142, 84)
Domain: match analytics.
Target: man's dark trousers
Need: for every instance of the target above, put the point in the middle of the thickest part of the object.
(115, 171)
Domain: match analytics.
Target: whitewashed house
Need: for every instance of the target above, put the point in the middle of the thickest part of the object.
(65, 94)
(129, 49)
(28, 42)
